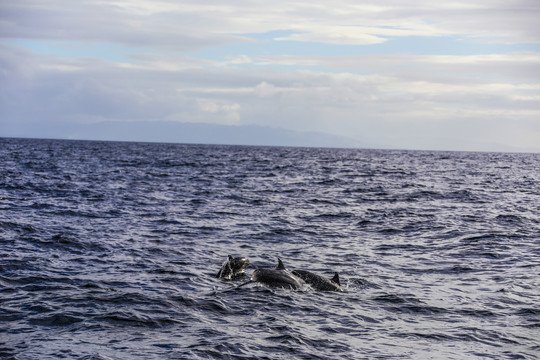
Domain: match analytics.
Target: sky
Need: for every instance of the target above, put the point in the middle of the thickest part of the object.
(452, 75)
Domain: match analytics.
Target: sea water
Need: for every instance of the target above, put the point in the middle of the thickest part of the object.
(110, 250)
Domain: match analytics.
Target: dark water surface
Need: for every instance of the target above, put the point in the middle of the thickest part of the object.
(109, 251)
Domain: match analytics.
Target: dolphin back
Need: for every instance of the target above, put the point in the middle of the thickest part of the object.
(276, 278)
(318, 282)
(279, 277)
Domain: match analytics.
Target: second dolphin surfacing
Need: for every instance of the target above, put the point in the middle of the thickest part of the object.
(279, 277)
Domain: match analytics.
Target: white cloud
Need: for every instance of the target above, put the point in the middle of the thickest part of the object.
(228, 112)
(265, 90)
(513, 67)
(335, 35)
(237, 60)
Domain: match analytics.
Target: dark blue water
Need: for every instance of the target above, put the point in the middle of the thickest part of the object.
(109, 251)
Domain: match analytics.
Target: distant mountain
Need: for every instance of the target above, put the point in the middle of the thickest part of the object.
(201, 133)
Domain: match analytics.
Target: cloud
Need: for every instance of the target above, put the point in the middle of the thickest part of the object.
(514, 67)
(335, 35)
(227, 113)
(190, 62)
(142, 24)
(265, 90)
(191, 25)
(426, 110)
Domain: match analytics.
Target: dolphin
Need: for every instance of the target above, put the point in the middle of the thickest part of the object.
(279, 277)
(234, 268)
(318, 282)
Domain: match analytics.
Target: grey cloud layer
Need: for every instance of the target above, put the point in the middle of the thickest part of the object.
(426, 111)
(190, 24)
(128, 25)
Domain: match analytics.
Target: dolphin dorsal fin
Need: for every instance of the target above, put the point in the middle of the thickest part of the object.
(231, 258)
(280, 265)
(335, 279)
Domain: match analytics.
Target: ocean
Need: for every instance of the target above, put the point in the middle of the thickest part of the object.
(110, 250)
